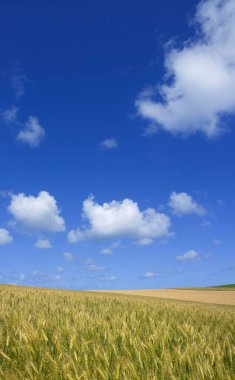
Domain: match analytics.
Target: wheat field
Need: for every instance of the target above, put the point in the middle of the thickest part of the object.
(222, 296)
(53, 334)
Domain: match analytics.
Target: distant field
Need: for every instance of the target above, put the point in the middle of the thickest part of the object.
(225, 297)
(68, 335)
(222, 287)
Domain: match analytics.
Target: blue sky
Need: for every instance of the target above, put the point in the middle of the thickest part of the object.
(117, 143)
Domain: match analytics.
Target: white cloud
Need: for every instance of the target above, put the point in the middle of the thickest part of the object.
(5, 237)
(106, 251)
(36, 214)
(150, 274)
(109, 144)
(68, 256)
(200, 86)
(92, 267)
(184, 204)
(109, 250)
(120, 220)
(189, 255)
(32, 133)
(95, 268)
(38, 277)
(145, 241)
(10, 115)
(43, 244)
(75, 235)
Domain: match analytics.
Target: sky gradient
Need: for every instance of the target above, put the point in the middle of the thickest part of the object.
(117, 143)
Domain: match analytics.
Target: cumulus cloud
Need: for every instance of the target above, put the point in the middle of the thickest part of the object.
(184, 204)
(189, 255)
(36, 214)
(43, 244)
(32, 133)
(121, 219)
(5, 237)
(109, 144)
(68, 256)
(200, 85)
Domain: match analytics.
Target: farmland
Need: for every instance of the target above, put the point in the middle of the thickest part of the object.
(220, 295)
(55, 334)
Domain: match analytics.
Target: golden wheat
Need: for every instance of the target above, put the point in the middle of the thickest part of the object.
(57, 335)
